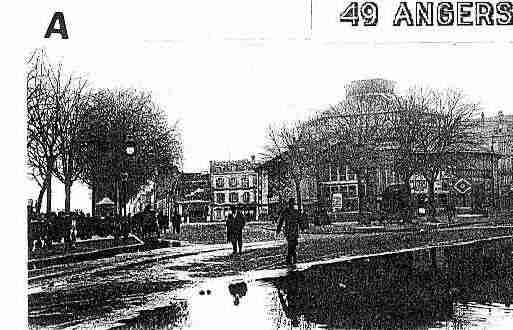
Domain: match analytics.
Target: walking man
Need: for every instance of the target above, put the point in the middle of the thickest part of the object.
(234, 226)
(240, 222)
(176, 223)
(292, 220)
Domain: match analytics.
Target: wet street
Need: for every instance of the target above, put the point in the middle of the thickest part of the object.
(462, 287)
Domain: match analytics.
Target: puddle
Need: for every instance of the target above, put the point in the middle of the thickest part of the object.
(458, 287)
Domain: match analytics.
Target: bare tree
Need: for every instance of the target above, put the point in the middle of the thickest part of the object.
(72, 103)
(355, 134)
(42, 126)
(293, 145)
(407, 133)
(447, 131)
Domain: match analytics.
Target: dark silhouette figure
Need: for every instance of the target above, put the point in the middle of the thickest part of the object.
(237, 290)
(150, 223)
(291, 219)
(230, 231)
(234, 226)
(176, 222)
(163, 222)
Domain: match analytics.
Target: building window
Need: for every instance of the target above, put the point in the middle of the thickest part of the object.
(245, 197)
(219, 214)
(351, 191)
(219, 182)
(351, 175)
(245, 182)
(254, 180)
(344, 197)
(220, 198)
(234, 197)
(233, 182)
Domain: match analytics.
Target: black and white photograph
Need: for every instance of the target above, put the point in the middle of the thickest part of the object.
(220, 165)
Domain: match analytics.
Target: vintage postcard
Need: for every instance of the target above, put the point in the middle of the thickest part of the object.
(310, 164)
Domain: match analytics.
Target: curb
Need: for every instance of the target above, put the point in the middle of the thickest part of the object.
(82, 256)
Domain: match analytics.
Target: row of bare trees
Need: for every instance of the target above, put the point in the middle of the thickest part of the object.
(77, 133)
(425, 131)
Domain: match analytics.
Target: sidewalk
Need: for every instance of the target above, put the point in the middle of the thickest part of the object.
(83, 250)
(120, 260)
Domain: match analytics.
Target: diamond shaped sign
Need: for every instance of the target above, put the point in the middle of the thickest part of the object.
(462, 186)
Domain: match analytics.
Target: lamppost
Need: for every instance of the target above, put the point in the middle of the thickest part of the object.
(129, 151)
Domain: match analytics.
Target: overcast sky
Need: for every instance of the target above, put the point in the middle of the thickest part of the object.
(226, 92)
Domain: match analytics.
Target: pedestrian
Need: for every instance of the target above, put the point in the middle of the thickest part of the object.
(176, 223)
(230, 221)
(291, 219)
(163, 222)
(239, 223)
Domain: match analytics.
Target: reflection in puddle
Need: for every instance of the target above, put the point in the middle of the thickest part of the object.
(464, 287)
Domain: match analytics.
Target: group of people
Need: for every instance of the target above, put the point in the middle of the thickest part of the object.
(148, 223)
(290, 221)
(45, 230)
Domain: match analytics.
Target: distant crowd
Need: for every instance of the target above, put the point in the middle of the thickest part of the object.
(48, 229)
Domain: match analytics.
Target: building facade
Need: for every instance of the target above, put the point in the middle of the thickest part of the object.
(234, 184)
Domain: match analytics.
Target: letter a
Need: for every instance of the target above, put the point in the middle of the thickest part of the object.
(58, 16)
(403, 14)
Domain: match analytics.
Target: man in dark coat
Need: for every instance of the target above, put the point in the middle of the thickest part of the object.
(163, 222)
(239, 224)
(176, 223)
(230, 231)
(292, 220)
(234, 226)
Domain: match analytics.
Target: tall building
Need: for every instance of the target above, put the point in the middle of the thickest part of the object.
(335, 187)
(234, 184)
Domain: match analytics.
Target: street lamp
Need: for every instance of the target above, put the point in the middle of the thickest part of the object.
(130, 146)
(129, 151)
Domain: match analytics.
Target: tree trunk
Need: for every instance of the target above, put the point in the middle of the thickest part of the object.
(67, 195)
(39, 200)
(361, 195)
(431, 197)
(409, 208)
(49, 193)
(318, 193)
